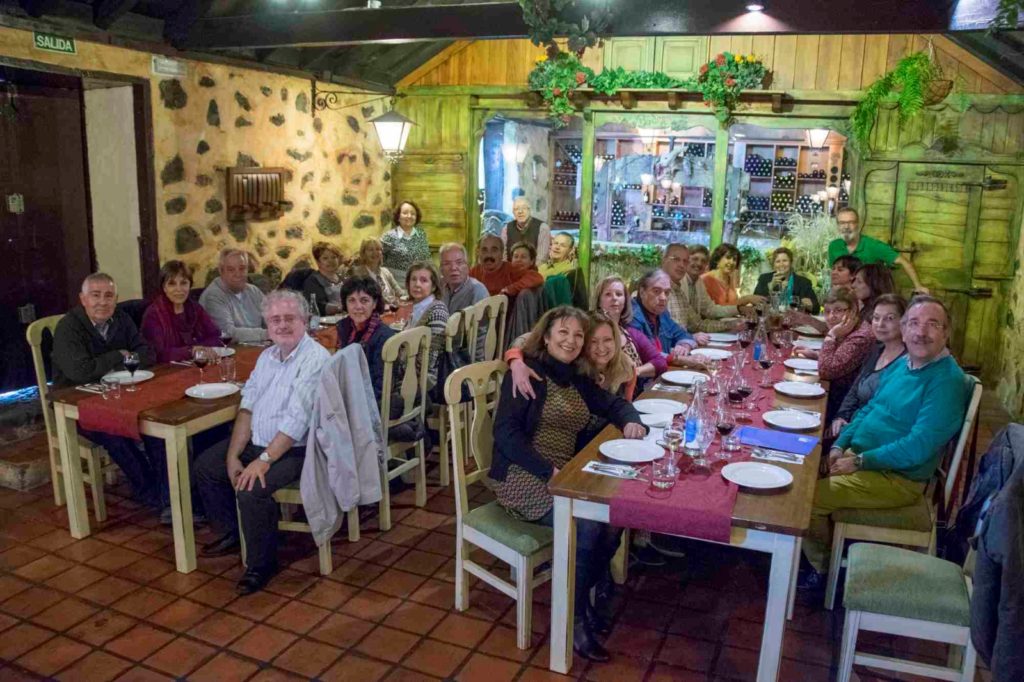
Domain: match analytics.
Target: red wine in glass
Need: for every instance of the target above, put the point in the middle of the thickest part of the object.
(765, 363)
(744, 392)
(736, 396)
(751, 322)
(725, 428)
(131, 363)
(201, 361)
(225, 339)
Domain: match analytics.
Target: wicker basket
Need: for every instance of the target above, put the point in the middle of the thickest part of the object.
(937, 91)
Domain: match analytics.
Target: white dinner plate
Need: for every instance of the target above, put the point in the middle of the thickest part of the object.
(223, 352)
(331, 319)
(659, 406)
(724, 337)
(683, 377)
(712, 353)
(799, 389)
(656, 421)
(791, 420)
(125, 377)
(802, 363)
(756, 475)
(631, 450)
(813, 344)
(808, 330)
(210, 391)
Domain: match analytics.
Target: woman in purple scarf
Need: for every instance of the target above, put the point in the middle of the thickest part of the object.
(173, 324)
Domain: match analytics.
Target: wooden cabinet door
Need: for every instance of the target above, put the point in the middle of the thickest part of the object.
(437, 180)
(632, 54)
(680, 57)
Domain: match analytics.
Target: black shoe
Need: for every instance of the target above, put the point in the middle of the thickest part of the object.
(597, 623)
(586, 645)
(810, 580)
(222, 546)
(647, 555)
(254, 580)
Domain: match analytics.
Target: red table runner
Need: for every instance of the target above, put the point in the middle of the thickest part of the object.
(121, 417)
(700, 504)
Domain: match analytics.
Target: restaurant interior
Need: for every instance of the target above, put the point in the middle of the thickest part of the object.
(131, 133)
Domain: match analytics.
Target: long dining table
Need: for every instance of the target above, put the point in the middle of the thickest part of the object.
(769, 522)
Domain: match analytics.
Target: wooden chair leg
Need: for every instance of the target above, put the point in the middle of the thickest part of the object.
(620, 562)
(326, 561)
(95, 473)
(444, 433)
(970, 662)
(421, 474)
(286, 512)
(835, 564)
(241, 535)
(461, 576)
(353, 524)
(524, 601)
(55, 477)
(794, 572)
(849, 646)
(384, 515)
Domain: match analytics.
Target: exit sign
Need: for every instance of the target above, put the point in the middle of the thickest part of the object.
(51, 42)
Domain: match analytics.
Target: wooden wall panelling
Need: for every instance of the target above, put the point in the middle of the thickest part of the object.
(718, 45)
(851, 62)
(784, 60)
(436, 181)
(763, 46)
(997, 239)
(829, 51)
(879, 198)
(876, 54)
(899, 46)
(806, 68)
(741, 44)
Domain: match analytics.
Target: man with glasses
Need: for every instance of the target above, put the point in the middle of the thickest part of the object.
(885, 456)
(867, 249)
(267, 446)
(458, 290)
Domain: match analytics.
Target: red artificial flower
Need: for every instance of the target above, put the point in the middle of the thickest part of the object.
(720, 60)
(730, 82)
(580, 77)
(556, 91)
(703, 69)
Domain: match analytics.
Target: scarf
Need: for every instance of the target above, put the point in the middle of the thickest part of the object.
(179, 330)
(363, 336)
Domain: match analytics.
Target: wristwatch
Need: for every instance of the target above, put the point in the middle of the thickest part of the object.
(858, 461)
(265, 457)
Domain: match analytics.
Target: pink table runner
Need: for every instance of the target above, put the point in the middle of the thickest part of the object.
(121, 417)
(699, 505)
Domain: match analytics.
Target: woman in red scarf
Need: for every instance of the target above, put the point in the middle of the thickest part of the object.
(362, 300)
(173, 324)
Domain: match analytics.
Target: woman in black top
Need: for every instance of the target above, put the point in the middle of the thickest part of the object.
(534, 438)
(362, 300)
(869, 282)
(784, 281)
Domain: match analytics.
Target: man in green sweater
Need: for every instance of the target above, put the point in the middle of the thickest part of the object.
(885, 456)
(867, 249)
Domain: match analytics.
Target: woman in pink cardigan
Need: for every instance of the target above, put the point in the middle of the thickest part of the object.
(174, 325)
(848, 342)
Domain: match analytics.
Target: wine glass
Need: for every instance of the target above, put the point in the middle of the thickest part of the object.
(131, 363)
(225, 338)
(765, 362)
(725, 422)
(713, 367)
(201, 358)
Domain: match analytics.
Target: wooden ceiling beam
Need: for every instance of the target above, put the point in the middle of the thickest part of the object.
(106, 12)
(179, 25)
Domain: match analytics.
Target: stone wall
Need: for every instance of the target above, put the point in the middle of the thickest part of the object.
(1011, 382)
(338, 187)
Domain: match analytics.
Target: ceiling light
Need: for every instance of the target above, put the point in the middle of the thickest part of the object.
(816, 137)
(755, 6)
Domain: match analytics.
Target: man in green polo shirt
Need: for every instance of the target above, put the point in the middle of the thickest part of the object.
(868, 249)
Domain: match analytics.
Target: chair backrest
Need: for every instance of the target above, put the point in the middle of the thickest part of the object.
(296, 279)
(411, 350)
(948, 471)
(472, 423)
(34, 334)
(135, 308)
(454, 332)
(492, 312)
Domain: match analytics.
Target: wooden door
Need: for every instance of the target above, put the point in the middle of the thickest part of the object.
(680, 57)
(632, 54)
(47, 249)
(952, 221)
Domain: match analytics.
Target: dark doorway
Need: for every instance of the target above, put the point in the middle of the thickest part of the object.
(44, 215)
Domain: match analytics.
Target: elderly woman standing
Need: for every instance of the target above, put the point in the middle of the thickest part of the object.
(428, 310)
(172, 324)
(406, 243)
(533, 439)
(324, 285)
(368, 262)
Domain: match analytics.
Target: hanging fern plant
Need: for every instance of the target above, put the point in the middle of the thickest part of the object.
(914, 83)
(1008, 15)
(547, 20)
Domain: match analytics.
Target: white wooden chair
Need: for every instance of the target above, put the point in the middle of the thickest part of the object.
(454, 342)
(407, 353)
(912, 526)
(908, 594)
(488, 318)
(94, 456)
(522, 545)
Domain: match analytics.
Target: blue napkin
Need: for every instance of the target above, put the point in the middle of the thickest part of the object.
(796, 443)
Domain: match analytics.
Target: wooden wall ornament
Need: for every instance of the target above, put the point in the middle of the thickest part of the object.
(255, 193)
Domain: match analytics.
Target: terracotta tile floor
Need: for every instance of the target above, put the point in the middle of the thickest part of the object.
(111, 607)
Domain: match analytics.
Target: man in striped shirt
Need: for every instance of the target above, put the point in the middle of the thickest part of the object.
(268, 443)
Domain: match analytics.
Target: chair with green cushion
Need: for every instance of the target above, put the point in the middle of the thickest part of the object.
(908, 594)
(911, 526)
(522, 545)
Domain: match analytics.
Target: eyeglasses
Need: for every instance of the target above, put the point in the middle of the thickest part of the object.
(847, 222)
(930, 325)
(278, 319)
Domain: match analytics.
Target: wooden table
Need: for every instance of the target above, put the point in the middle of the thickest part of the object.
(772, 523)
(172, 422)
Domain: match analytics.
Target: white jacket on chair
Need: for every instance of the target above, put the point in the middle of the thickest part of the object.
(344, 449)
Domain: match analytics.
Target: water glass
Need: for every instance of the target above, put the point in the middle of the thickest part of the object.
(664, 471)
(111, 389)
(227, 370)
(731, 443)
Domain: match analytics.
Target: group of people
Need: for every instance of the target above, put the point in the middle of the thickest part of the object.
(896, 395)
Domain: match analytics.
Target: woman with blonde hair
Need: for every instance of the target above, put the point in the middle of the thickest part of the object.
(369, 263)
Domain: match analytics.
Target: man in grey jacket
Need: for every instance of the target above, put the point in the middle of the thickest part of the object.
(233, 303)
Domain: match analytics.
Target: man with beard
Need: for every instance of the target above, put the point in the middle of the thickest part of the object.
(867, 249)
(499, 275)
(885, 456)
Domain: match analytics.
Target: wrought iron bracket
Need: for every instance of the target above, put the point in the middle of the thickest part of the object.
(331, 100)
